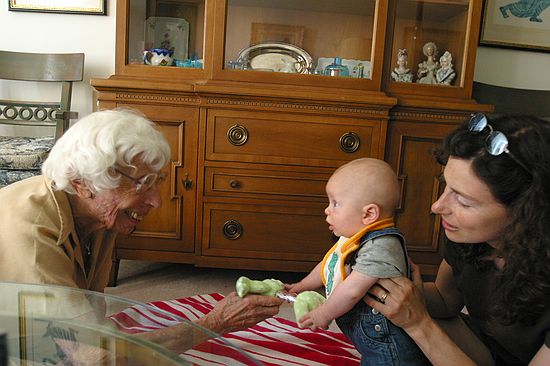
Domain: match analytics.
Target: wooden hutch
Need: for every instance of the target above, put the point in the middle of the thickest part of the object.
(256, 124)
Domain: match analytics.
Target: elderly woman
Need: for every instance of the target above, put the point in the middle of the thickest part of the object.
(495, 211)
(100, 179)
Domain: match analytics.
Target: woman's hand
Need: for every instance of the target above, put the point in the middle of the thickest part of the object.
(403, 300)
(235, 313)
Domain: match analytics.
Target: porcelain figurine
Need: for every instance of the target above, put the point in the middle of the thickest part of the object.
(402, 73)
(158, 57)
(427, 69)
(445, 74)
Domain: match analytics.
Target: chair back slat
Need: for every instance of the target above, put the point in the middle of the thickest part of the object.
(41, 66)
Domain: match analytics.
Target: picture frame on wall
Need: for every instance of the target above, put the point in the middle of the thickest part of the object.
(516, 24)
(88, 7)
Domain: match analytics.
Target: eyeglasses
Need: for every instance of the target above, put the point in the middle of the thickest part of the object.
(146, 182)
(496, 142)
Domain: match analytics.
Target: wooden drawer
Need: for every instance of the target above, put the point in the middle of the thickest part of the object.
(265, 232)
(266, 184)
(291, 139)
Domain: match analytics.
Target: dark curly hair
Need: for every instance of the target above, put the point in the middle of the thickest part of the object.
(524, 292)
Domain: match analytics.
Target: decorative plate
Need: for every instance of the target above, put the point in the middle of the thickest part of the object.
(169, 33)
(276, 56)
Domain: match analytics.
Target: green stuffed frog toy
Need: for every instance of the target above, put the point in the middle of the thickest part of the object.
(268, 287)
(304, 302)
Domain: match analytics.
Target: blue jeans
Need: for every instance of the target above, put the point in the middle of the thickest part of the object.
(378, 340)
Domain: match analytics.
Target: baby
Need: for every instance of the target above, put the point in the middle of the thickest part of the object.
(363, 195)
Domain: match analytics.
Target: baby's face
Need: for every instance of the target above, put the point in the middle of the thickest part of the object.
(344, 210)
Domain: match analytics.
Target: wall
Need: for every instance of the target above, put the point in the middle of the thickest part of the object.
(95, 36)
(514, 69)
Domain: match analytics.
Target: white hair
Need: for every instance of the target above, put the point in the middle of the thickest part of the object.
(100, 141)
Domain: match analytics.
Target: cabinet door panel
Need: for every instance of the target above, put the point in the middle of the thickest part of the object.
(171, 226)
(411, 154)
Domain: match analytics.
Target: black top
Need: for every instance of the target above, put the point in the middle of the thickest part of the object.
(514, 344)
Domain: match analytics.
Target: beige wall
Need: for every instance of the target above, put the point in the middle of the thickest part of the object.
(514, 69)
(95, 36)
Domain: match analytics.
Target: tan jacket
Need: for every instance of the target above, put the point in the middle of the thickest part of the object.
(38, 241)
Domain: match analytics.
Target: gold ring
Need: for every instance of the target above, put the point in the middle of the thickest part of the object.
(383, 297)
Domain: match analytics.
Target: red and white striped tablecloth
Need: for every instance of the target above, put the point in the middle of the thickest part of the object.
(275, 341)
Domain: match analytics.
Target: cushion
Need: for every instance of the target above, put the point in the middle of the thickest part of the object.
(12, 176)
(24, 153)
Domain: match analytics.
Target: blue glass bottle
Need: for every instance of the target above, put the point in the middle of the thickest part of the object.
(336, 68)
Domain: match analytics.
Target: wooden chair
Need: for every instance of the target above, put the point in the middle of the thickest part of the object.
(22, 157)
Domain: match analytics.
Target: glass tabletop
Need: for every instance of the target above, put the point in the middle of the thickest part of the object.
(56, 325)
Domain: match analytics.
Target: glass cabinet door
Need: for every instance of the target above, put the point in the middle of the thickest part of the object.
(306, 42)
(309, 39)
(165, 33)
(432, 47)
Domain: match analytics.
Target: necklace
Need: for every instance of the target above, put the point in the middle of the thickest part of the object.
(88, 248)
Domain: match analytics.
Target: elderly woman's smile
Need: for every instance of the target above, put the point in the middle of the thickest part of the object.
(125, 207)
(134, 215)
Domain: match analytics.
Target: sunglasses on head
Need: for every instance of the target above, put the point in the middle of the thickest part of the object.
(496, 142)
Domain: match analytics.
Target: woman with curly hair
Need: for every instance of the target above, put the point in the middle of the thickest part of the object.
(495, 211)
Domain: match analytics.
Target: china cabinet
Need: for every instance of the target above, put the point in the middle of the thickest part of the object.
(264, 99)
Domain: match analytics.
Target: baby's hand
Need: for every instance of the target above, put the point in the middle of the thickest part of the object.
(315, 319)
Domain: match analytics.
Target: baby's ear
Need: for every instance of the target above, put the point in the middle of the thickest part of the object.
(371, 213)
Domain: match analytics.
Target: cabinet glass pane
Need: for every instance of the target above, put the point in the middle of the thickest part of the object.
(166, 32)
(300, 36)
(433, 33)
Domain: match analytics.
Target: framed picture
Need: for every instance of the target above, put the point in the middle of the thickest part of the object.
(518, 24)
(91, 7)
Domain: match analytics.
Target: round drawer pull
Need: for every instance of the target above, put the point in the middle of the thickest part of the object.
(237, 135)
(234, 183)
(350, 142)
(232, 229)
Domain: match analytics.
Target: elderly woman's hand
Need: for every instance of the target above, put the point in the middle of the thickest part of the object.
(235, 313)
(403, 301)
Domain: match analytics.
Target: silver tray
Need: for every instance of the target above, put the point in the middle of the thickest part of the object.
(275, 56)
